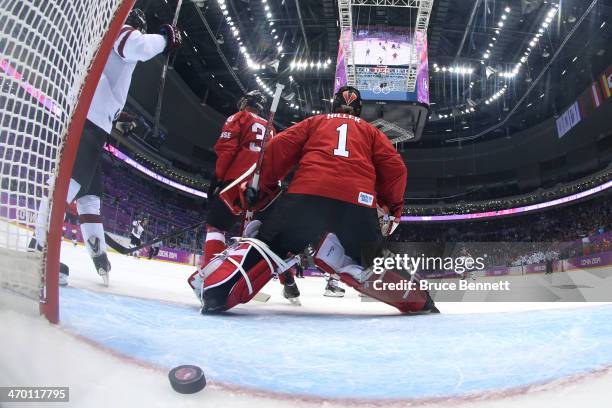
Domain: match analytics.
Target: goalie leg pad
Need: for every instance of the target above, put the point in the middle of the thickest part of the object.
(330, 258)
(235, 276)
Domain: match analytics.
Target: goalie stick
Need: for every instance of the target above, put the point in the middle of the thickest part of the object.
(162, 82)
(127, 250)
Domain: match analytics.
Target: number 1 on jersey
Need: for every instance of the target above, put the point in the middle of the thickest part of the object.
(342, 133)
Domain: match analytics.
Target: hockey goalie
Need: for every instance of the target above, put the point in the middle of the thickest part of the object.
(347, 168)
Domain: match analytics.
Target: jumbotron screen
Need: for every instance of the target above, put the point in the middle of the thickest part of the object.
(382, 56)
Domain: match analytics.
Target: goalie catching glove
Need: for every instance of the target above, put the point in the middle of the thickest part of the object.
(173, 36)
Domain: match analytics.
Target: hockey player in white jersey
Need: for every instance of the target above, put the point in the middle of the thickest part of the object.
(131, 46)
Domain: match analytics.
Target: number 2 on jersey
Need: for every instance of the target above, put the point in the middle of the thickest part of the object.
(342, 133)
(259, 130)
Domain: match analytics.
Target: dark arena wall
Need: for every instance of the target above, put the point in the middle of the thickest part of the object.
(535, 157)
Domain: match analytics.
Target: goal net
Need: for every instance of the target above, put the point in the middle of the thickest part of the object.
(52, 53)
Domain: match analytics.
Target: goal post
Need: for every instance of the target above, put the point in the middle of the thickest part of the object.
(52, 54)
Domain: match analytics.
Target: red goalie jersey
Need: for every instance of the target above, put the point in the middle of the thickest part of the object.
(340, 156)
(239, 144)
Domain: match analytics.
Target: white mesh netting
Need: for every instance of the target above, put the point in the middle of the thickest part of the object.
(46, 50)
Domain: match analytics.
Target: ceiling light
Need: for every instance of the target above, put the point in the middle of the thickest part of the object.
(269, 15)
(545, 24)
(507, 9)
(602, 25)
(503, 16)
(500, 24)
(548, 19)
(532, 43)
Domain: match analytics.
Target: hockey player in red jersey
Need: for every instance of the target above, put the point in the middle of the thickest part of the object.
(131, 46)
(237, 150)
(346, 168)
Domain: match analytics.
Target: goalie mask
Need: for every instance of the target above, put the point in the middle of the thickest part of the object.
(347, 100)
(254, 99)
(137, 19)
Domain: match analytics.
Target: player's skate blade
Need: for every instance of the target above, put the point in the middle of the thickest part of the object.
(103, 267)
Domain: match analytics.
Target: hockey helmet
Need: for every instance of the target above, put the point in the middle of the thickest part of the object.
(347, 97)
(255, 99)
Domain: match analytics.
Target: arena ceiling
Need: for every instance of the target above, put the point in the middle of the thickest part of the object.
(236, 45)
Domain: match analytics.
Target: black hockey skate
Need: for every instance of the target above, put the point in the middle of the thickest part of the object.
(64, 271)
(333, 289)
(290, 289)
(430, 306)
(33, 246)
(102, 266)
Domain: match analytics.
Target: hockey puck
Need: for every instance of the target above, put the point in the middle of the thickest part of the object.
(187, 379)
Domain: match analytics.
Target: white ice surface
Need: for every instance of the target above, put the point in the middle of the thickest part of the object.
(33, 352)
